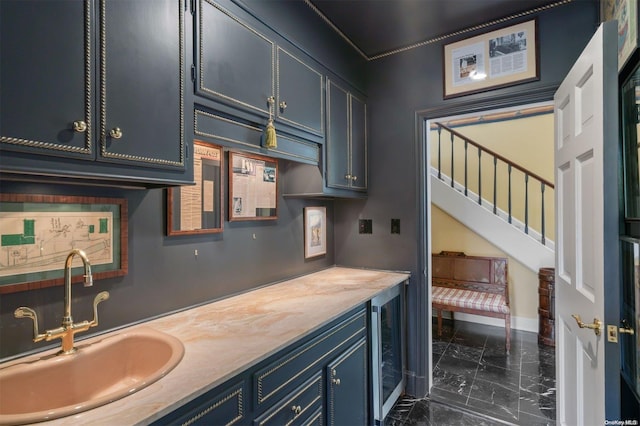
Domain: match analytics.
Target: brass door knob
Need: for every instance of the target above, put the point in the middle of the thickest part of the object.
(79, 126)
(595, 326)
(625, 328)
(115, 133)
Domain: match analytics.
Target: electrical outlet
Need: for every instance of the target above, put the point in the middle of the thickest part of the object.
(395, 226)
(365, 226)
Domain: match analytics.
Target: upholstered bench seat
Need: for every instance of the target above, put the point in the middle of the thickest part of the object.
(471, 285)
(468, 299)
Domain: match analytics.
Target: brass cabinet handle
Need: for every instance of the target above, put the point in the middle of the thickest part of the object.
(79, 126)
(115, 133)
(595, 326)
(335, 382)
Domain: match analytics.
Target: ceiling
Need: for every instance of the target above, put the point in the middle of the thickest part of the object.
(380, 27)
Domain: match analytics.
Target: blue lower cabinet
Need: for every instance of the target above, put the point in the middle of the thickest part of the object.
(320, 379)
(347, 387)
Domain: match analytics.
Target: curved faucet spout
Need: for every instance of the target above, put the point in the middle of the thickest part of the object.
(88, 281)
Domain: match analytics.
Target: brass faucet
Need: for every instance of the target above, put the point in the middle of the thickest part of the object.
(68, 328)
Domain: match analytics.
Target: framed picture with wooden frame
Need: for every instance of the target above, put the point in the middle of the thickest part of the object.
(500, 58)
(626, 13)
(39, 231)
(197, 209)
(253, 187)
(315, 231)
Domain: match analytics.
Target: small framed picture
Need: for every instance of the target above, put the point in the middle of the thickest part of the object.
(315, 231)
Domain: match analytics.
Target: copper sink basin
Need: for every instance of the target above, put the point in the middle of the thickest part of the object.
(101, 371)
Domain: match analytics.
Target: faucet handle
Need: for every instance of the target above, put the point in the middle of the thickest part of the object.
(24, 312)
(100, 297)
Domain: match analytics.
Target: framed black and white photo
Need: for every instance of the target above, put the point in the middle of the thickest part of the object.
(315, 231)
(500, 58)
(253, 187)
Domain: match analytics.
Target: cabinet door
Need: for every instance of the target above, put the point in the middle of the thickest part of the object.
(299, 101)
(142, 81)
(337, 167)
(347, 387)
(358, 144)
(45, 77)
(235, 62)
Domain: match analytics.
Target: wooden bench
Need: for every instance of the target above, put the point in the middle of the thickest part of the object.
(471, 284)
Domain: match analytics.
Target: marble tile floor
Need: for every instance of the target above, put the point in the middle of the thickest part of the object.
(477, 383)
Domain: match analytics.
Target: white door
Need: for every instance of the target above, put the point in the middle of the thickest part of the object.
(581, 132)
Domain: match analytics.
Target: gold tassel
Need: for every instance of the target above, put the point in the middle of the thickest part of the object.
(269, 140)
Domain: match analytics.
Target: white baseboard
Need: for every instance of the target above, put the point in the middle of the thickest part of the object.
(517, 323)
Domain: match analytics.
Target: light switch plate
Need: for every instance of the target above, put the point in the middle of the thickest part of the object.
(365, 226)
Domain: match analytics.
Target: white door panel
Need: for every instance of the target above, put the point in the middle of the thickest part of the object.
(580, 261)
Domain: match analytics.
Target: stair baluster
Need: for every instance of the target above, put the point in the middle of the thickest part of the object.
(510, 166)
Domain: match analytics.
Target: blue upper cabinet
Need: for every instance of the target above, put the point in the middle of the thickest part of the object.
(346, 146)
(142, 82)
(235, 62)
(46, 77)
(103, 82)
(250, 72)
(300, 100)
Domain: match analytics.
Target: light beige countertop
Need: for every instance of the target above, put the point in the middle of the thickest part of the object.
(226, 337)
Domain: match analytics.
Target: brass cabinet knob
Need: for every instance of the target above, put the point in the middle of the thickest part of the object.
(354, 178)
(79, 126)
(296, 409)
(283, 105)
(335, 382)
(348, 176)
(115, 133)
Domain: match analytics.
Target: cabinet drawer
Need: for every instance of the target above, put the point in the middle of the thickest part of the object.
(315, 419)
(246, 136)
(278, 377)
(298, 408)
(224, 407)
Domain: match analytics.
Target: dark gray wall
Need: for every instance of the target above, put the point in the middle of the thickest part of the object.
(400, 86)
(164, 274)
